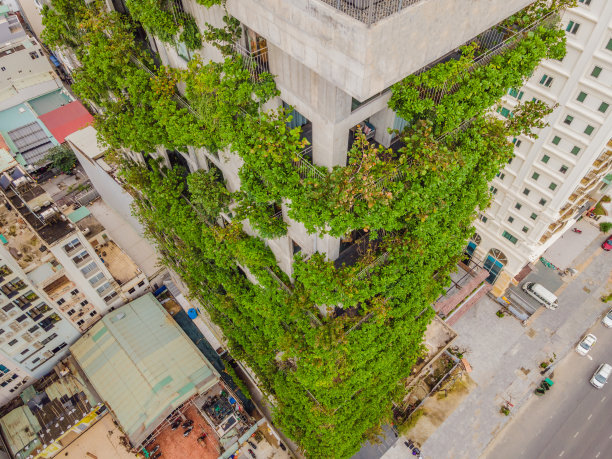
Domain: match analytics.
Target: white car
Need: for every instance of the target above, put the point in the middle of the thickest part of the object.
(600, 377)
(586, 344)
(607, 320)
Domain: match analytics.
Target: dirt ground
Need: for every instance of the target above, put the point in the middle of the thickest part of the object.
(174, 445)
(438, 407)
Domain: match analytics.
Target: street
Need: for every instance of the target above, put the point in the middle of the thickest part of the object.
(573, 419)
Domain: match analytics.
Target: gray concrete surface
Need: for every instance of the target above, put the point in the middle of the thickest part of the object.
(505, 358)
(571, 245)
(573, 419)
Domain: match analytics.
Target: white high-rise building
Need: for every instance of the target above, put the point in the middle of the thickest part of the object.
(553, 179)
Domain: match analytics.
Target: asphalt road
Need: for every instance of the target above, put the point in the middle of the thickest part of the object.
(573, 419)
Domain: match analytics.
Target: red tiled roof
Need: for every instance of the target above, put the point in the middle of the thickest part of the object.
(67, 119)
(3, 144)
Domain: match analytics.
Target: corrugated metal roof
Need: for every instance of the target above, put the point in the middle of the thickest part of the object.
(79, 214)
(142, 365)
(20, 427)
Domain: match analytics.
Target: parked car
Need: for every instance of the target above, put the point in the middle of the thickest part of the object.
(607, 320)
(600, 377)
(607, 245)
(585, 345)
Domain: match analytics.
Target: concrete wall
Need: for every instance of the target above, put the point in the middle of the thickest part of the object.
(365, 60)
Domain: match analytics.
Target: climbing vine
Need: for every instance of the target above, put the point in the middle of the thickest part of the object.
(336, 339)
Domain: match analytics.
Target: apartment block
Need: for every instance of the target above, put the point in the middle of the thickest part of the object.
(556, 178)
(60, 274)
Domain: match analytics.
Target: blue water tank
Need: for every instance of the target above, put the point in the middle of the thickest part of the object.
(192, 313)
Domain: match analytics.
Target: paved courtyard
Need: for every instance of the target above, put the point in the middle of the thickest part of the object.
(505, 357)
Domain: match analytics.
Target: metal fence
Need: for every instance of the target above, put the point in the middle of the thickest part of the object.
(370, 11)
(304, 167)
(256, 61)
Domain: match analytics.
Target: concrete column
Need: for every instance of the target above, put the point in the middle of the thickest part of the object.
(383, 121)
(329, 144)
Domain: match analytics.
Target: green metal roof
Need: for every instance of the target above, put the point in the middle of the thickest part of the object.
(142, 365)
(79, 214)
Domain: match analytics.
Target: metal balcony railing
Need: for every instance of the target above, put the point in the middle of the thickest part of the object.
(370, 11)
(256, 61)
(304, 167)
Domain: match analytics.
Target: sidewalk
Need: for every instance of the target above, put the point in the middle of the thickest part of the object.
(505, 358)
(572, 245)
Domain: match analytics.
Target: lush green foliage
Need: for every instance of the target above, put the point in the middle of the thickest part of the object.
(416, 204)
(62, 158)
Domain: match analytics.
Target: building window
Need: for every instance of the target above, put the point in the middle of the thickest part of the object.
(503, 111)
(493, 190)
(533, 216)
(92, 313)
(80, 322)
(552, 185)
(572, 27)
(516, 142)
(12, 343)
(589, 130)
(586, 2)
(568, 119)
(296, 247)
(596, 71)
(526, 191)
(518, 205)
(84, 303)
(96, 278)
(516, 93)
(141, 283)
(482, 218)
(546, 80)
(556, 139)
(603, 107)
(563, 169)
(510, 219)
(71, 312)
(132, 290)
(545, 159)
(510, 237)
(581, 96)
(74, 292)
(61, 301)
(535, 176)
(542, 202)
(609, 45)
(525, 229)
(575, 150)
(501, 175)
(72, 245)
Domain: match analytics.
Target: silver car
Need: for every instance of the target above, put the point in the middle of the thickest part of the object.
(607, 320)
(585, 345)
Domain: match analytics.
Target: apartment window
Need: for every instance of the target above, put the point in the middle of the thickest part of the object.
(603, 107)
(12, 343)
(102, 288)
(563, 169)
(568, 119)
(586, 2)
(589, 130)
(552, 185)
(482, 218)
(542, 202)
(609, 45)
(596, 71)
(501, 175)
(493, 190)
(516, 142)
(516, 93)
(535, 176)
(572, 27)
(556, 139)
(84, 303)
(504, 112)
(518, 205)
(510, 237)
(80, 322)
(510, 219)
(70, 312)
(545, 159)
(92, 313)
(132, 290)
(71, 245)
(581, 96)
(525, 229)
(141, 283)
(526, 191)
(546, 80)
(296, 247)
(575, 150)
(87, 269)
(96, 278)
(533, 216)
(61, 301)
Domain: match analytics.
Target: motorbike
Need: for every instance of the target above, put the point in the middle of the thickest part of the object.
(576, 230)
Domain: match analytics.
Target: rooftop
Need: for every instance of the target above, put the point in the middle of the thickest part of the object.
(66, 120)
(142, 365)
(121, 266)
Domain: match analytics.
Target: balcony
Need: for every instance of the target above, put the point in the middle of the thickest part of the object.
(370, 11)
(255, 61)
(305, 167)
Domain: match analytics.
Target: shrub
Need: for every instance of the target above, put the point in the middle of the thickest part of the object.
(606, 198)
(411, 421)
(500, 313)
(604, 227)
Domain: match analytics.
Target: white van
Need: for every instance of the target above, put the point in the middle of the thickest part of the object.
(541, 295)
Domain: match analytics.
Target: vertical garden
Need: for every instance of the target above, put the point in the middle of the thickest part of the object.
(332, 376)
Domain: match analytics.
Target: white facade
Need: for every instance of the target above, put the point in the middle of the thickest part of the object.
(547, 184)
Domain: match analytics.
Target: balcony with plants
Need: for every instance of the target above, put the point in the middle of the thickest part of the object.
(338, 339)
